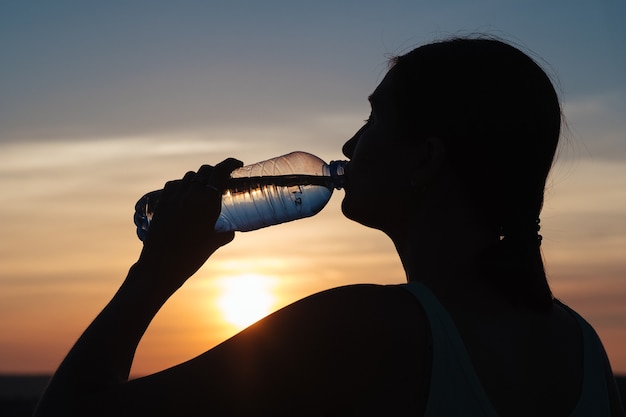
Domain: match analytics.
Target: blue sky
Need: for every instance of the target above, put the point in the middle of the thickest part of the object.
(101, 102)
(84, 69)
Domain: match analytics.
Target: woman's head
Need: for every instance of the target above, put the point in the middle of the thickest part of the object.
(498, 115)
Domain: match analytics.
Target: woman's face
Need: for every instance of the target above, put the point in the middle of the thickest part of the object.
(378, 172)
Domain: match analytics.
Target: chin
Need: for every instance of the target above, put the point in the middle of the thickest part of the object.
(346, 209)
(356, 211)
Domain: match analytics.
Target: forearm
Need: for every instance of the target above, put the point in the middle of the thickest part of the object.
(103, 355)
(180, 240)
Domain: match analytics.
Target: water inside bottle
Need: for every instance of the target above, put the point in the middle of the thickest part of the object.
(254, 202)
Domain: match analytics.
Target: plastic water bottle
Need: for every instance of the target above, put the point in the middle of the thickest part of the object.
(279, 190)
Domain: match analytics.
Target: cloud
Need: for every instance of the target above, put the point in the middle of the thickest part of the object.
(596, 127)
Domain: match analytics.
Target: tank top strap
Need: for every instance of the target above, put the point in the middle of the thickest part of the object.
(594, 396)
(455, 389)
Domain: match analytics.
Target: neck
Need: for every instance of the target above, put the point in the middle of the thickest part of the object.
(442, 243)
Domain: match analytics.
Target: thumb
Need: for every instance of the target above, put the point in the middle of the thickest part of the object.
(221, 173)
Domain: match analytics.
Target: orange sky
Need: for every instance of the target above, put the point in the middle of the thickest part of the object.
(71, 239)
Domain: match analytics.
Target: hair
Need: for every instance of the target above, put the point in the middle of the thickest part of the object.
(499, 117)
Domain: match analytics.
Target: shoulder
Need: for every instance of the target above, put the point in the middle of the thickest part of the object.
(351, 350)
(349, 313)
(375, 335)
(362, 344)
(367, 307)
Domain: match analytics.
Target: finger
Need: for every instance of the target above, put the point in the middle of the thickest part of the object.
(221, 173)
(189, 176)
(171, 185)
(203, 175)
(205, 170)
(229, 164)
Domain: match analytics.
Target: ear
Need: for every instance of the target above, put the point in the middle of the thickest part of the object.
(429, 160)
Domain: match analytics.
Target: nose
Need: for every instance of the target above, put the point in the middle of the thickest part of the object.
(348, 147)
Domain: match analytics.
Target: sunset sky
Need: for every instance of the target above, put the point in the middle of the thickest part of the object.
(101, 102)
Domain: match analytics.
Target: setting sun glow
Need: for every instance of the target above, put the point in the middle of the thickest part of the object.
(245, 298)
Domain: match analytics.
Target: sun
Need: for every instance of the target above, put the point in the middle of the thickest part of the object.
(246, 298)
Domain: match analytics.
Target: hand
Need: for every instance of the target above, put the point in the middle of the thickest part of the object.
(182, 236)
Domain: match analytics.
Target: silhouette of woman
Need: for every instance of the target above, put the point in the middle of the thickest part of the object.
(465, 132)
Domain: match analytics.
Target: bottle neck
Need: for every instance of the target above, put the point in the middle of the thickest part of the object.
(337, 173)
